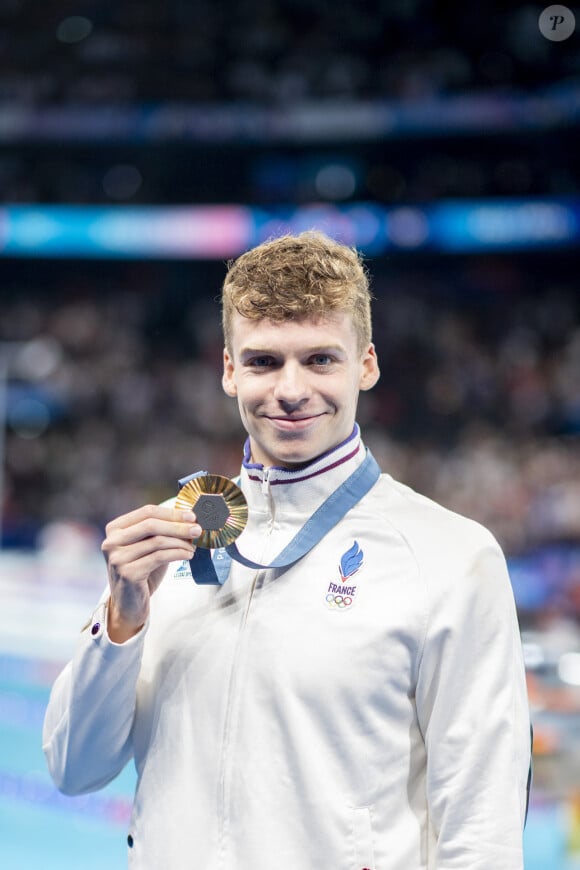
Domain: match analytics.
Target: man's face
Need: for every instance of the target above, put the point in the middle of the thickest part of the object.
(297, 384)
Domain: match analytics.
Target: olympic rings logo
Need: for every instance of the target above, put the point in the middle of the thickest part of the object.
(340, 601)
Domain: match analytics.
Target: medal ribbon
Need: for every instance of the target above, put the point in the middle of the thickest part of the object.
(208, 570)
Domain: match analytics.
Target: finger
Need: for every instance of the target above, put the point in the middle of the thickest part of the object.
(122, 555)
(150, 527)
(150, 511)
(141, 566)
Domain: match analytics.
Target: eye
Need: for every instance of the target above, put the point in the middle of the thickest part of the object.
(260, 362)
(321, 359)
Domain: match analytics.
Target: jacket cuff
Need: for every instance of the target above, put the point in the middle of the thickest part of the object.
(96, 631)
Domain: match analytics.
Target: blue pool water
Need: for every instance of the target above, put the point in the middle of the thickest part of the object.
(39, 827)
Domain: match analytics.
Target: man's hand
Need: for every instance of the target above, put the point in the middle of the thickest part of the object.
(138, 548)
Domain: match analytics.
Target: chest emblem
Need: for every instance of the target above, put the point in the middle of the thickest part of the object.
(341, 595)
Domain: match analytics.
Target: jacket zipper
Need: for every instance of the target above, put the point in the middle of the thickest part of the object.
(225, 777)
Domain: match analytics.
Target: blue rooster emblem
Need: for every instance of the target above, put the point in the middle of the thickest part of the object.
(351, 561)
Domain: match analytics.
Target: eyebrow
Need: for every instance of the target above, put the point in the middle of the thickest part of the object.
(265, 351)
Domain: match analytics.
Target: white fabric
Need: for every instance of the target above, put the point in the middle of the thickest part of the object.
(271, 730)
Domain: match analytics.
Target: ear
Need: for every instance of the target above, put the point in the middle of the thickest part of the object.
(370, 369)
(228, 381)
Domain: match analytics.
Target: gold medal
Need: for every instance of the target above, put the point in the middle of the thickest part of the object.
(219, 506)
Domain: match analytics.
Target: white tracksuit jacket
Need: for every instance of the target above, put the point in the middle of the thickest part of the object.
(295, 720)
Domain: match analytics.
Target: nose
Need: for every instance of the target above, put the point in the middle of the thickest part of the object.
(291, 388)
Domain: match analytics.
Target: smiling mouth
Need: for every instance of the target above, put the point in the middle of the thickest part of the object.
(294, 423)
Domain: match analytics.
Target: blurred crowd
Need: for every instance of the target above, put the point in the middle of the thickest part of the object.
(390, 172)
(92, 52)
(114, 390)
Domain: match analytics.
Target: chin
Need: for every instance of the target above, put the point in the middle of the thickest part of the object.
(296, 458)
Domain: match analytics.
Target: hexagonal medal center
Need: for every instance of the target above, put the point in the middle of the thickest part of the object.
(211, 511)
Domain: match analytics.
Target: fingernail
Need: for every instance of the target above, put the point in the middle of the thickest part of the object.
(195, 531)
(187, 516)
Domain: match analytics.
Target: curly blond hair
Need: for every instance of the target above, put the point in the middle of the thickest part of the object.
(298, 276)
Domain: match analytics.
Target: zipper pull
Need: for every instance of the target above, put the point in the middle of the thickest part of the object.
(265, 481)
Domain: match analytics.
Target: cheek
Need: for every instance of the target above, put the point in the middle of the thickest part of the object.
(249, 394)
(346, 393)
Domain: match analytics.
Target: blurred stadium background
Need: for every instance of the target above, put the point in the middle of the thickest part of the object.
(141, 146)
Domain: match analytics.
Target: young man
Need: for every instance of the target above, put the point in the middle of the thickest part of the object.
(363, 707)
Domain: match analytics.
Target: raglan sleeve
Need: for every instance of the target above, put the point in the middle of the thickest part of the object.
(89, 717)
(473, 710)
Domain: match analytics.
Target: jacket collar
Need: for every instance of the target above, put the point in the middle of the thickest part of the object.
(302, 489)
